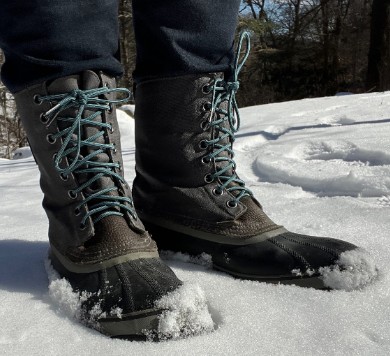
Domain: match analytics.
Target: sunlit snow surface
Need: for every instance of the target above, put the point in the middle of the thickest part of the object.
(318, 166)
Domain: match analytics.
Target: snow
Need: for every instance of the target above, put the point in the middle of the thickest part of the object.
(128, 109)
(357, 271)
(186, 313)
(22, 152)
(62, 294)
(318, 166)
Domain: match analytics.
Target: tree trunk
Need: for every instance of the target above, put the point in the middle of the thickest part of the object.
(250, 4)
(378, 71)
(297, 22)
(127, 47)
(325, 43)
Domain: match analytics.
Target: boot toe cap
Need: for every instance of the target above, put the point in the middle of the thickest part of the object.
(291, 258)
(120, 301)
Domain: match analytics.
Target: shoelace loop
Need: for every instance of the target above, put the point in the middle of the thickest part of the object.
(105, 204)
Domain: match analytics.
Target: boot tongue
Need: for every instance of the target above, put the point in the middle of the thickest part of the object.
(84, 81)
(63, 85)
(223, 142)
(89, 80)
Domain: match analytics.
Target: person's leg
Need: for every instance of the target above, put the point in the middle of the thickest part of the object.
(186, 188)
(97, 241)
(46, 39)
(183, 37)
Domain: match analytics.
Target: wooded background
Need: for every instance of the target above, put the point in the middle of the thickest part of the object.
(300, 49)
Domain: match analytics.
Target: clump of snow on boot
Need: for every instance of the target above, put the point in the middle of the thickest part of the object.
(185, 313)
(61, 292)
(354, 270)
(70, 303)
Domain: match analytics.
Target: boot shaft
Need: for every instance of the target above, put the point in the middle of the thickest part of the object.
(71, 122)
(185, 168)
(171, 117)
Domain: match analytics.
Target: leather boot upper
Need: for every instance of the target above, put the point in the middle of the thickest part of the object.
(81, 227)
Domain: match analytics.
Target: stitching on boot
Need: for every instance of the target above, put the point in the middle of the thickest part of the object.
(152, 283)
(126, 287)
(103, 287)
(167, 276)
(293, 253)
(289, 237)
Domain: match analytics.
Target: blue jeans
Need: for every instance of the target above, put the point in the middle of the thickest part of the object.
(48, 39)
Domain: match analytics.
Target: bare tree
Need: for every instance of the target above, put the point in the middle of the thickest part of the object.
(12, 134)
(127, 42)
(378, 71)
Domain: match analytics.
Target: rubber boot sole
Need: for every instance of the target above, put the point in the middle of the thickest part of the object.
(135, 326)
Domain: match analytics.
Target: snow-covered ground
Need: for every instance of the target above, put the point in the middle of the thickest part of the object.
(319, 166)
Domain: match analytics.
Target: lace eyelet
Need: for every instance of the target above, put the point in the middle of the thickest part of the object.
(55, 157)
(43, 118)
(206, 89)
(111, 129)
(114, 149)
(206, 107)
(119, 166)
(82, 226)
(208, 178)
(206, 159)
(111, 108)
(203, 144)
(77, 211)
(217, 191)
(50, 139)
(64, 177)
(72, 194)
(37, 99)
(232, 204)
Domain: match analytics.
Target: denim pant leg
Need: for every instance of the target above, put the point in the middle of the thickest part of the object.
(177, 37)
(46, 39)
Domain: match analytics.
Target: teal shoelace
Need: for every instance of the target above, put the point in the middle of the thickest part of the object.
(104, 204)
(225, 91)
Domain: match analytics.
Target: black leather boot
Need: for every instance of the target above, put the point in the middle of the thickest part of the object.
(191, 199)
(97, 241)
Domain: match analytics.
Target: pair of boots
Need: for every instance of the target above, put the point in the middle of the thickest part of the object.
(186, 192)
